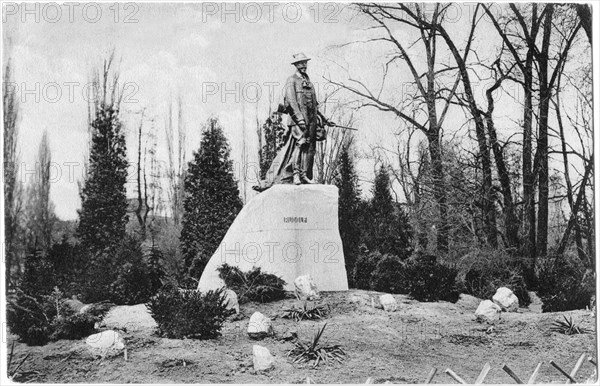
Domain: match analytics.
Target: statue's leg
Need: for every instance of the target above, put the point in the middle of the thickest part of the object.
(297, 162)
(311, 147)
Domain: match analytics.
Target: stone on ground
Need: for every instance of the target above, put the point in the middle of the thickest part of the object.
(488, 312)
(262, 358)
(506, 299)
(105, 343)
(388, 302)
(466, 301)
(305, 288)
(259, 326)
(231, 300)
(129, 318)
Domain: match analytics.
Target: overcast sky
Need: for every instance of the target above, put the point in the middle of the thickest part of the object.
(214, 56)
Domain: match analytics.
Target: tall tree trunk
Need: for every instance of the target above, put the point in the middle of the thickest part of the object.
(578, 240)
(488, 202)
(140, 199)
(510, 218)
(528, 177)
(542, 142)
(573, 219)
(438, 190)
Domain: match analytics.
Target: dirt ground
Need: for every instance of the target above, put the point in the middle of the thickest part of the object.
(399, 347)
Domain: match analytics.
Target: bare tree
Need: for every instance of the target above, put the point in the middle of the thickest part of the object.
(429, 118)
(40, 211)
(176, 155)
(329, 151)
(13, 189)
(554, 24)
(525, 65)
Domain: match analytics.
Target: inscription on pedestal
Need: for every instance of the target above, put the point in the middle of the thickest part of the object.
(295, 219)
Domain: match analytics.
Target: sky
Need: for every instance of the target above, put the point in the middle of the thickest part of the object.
(222, 60)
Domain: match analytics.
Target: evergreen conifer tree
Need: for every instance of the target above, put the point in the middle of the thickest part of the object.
(348, 210)
(103, 213)
(211, 199)
(388, 230)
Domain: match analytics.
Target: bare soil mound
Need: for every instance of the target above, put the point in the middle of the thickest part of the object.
(399, 347)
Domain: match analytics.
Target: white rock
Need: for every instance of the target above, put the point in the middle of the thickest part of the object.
(506, 299)
(305, 288)
(388, 302)
(488, 312)
(129, 318)
(232, 302)
(262, 358)
(259, 326)
(105, 342)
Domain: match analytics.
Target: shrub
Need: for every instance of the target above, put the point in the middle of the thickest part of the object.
(189, 314)
(491, 270)
(68, 264)
(364, 267)
(124, 275)
(563, 284)
(39, 319)
(421, 277)
(389, 274)
(429, 281)
(254, 285)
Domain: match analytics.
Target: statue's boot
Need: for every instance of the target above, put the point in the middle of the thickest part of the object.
(296, 179)
(306, 180)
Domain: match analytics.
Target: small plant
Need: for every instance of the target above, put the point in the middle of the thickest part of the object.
(38, 320)
(307, 312)
(303, 353)
(564, 284)
(180, 314)
(254, 285)
(567, 327)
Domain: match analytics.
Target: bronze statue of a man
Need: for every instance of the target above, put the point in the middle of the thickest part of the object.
(294, 163)
(302, 107)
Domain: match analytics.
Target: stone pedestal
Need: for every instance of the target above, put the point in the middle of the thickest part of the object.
(289, 231)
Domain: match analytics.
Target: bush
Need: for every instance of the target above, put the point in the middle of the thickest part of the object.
(429, 281)
(564, 285)
(189, 314)
(254, 285)
(124, 275)
(40, 319)
(364, 267)
(491, 270)
(389, 274)
(420, 277)
(68, 266)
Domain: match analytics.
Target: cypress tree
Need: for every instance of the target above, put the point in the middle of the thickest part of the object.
(274, 140)
(211, 199)
(103, 213)
(388, 230)
(349, 205)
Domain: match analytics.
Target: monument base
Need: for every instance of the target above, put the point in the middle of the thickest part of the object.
(288, 231)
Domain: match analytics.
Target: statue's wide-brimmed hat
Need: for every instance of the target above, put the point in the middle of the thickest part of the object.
(300, 57)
